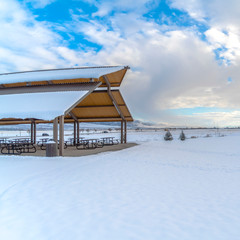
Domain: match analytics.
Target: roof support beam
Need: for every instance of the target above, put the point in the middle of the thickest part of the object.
(125, 131)
(67, 120)
(121, 131)
(97, 119)
(55, 130)
(35, 132)
(74, 133)
(32, 132)
(73, 116)
(112, 97)
(78, 132)
(61, 135)
(99, 106)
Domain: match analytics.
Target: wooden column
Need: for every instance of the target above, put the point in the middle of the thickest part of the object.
(78, 133)
(34, 132)
(61, 135)
(125, 132)
(74, 133)
(121, 131)
(55, 130)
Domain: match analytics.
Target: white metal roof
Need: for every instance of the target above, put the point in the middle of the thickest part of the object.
(44, 106)
(57, 74)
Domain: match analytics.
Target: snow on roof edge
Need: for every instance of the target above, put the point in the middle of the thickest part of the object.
(56, 69)
(43, 105)
(58, 74)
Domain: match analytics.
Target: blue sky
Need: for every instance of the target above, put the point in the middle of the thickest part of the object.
(184, 54)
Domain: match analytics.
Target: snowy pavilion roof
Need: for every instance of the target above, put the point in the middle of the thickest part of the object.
(47, 105)
(73, 92)
(116, 74)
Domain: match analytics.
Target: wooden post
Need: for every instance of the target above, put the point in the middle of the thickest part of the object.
(74, 133)
(32, 132)
(35, 132)
(125, 131)
(61, 135)
(78, 134)
(55, 130)
(121, 131)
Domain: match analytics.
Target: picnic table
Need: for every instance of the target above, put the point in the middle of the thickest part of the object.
(43, 141)
(70, 141)
(109, 141)
(18, 146)
(3, 140)
(19, 140)
(89, 144)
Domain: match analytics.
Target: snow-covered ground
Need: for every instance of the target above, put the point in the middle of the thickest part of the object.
(156, 190)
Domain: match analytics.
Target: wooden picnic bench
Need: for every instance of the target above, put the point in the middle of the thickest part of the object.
(71, 142)
(43, 141)
(106, 141)
(3, 140)
(89, 144)
(17, 147)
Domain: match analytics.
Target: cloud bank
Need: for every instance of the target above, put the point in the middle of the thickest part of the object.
(172, 66)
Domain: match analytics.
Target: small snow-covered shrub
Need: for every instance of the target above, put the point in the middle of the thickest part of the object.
(182, 136)
(207, 135)
(168, 136)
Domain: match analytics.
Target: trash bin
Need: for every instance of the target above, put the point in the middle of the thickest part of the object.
(51, 149)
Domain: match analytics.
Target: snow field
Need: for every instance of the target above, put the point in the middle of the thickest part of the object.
(156, 190)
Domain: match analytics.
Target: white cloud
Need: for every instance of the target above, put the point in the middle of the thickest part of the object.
(228, 40)
(193, 7)
(170, 68)
(107, 6)
(25, 43)
(219, 119)
(216, 12)
(223, 20)
(39, 3)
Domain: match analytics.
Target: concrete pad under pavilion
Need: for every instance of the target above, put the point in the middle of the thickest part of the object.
(73, 152)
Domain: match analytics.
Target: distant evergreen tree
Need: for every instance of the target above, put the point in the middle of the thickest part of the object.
(168, 136)
(182, 136)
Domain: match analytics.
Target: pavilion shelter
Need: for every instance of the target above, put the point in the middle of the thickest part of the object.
(70, 95)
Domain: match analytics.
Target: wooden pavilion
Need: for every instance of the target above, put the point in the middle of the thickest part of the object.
(87, 94)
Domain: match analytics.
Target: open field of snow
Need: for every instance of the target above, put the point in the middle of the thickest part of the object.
(157, 190)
